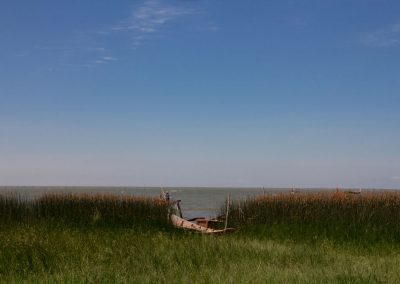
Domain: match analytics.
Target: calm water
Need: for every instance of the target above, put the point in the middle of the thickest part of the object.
(196, 202)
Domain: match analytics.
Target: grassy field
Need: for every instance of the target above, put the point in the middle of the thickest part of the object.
(38, 253)
(96, 248)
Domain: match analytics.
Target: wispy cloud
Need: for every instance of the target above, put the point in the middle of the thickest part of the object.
(109, 58)
(149, 18)
(100, 60)
(98, 49)
(93, 55)
(389, 37)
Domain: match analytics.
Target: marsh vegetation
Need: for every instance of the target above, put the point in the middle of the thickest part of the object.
(281, 239)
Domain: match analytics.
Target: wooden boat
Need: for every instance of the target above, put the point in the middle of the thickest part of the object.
(183, 223)
(202, 224)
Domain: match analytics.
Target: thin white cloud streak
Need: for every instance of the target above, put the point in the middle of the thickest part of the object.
(98, 53)
(109, 58)
(71, 48)
(150, 18)
(103, 60)
(389, 37)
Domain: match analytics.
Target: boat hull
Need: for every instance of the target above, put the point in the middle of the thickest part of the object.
(182, 223)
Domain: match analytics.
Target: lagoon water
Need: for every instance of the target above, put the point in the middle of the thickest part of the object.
(195, 201)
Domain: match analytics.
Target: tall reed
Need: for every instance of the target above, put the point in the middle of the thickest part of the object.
(86, 209)
(340, 216)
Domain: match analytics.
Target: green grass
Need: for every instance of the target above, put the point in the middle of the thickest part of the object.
(38, 253)
(281, 239)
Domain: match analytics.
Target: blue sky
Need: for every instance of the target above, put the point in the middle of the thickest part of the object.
(200, 93)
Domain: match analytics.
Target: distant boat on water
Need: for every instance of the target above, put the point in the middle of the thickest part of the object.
(349, 191)
(354, 191)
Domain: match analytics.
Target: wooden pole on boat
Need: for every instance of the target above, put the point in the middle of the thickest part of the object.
(178, 204)
(227, 210)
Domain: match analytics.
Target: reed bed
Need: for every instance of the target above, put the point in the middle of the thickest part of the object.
(366, 217)
(86, 209)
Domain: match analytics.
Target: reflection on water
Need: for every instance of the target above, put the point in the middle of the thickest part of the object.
(196, 201)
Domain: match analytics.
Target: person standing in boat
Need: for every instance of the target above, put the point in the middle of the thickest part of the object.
(164, 195)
